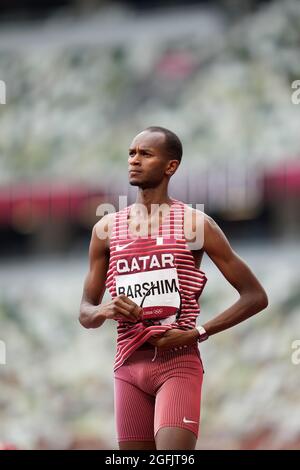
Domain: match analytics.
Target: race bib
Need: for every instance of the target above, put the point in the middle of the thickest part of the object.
(157, 291)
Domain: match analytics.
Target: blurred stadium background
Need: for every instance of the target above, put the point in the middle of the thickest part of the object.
(82, 78)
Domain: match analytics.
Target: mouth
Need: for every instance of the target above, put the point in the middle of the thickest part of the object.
(133, 172)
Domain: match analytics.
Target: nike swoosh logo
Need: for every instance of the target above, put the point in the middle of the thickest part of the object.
(121, 247)
(187, 421)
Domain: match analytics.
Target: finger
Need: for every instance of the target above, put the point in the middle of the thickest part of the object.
(123, 314)
(128, 308)
(134, 306)
(138, 311)
(126, 299)
(134, 309)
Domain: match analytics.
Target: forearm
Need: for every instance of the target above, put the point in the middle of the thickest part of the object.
(248, 305)
(175, 337)
(91, 316)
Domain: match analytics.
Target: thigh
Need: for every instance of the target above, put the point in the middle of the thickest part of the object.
(137, 445)
(173, 438)
(178, 400)
(134, 415)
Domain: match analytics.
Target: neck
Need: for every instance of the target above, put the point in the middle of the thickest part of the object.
(152, 196)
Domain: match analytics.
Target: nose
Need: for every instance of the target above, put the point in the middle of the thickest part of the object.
(134, 159)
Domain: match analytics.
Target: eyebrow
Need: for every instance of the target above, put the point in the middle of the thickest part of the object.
(143, 149)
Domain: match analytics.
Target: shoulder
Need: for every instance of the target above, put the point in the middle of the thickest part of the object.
(196, 224)
(197, 219)
(203, 230)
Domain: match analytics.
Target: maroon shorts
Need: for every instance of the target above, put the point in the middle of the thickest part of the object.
(155, 389)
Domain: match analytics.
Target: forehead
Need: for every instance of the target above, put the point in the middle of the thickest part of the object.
(148, 139)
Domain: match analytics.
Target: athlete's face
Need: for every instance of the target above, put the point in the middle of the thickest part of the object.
(147, 161)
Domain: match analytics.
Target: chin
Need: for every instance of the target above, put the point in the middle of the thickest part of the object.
(134, 183)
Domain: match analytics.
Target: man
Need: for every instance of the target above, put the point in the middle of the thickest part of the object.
(155, 284)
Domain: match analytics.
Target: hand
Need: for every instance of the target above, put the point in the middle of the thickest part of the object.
(174, 338)
(122, 308)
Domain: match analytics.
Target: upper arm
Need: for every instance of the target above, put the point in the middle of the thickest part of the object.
(232, 266)
(94, 285)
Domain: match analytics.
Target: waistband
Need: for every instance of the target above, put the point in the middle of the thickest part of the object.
(149, 347)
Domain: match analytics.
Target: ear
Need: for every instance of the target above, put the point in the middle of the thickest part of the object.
(172, 167)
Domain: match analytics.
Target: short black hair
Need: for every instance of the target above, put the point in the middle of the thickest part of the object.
(173, 144)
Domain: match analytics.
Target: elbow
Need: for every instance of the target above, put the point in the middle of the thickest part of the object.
(256, 299)
(83, 320)
(262, 300)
